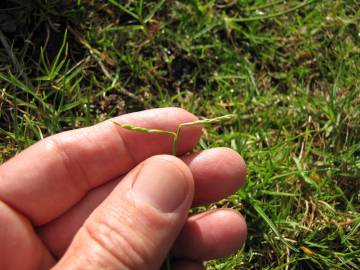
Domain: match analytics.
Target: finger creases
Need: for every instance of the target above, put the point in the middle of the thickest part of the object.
(51, 176)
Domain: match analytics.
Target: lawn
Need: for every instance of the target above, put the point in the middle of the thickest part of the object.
(289, 70)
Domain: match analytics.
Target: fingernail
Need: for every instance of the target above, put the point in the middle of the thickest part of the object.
(161, 184)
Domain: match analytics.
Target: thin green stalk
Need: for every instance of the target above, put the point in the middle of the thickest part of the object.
(267, 5)
(176, 135)
(195, 123)
(126, 10)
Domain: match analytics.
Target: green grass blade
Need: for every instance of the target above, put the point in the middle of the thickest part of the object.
(126, 10)
(301, 171)
(261, 212)
(57, 64)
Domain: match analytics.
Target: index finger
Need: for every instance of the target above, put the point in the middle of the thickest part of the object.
(49, 177)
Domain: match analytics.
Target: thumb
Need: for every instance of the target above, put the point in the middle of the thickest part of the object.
(135, 227)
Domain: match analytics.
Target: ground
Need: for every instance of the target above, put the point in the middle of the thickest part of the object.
(289, 70)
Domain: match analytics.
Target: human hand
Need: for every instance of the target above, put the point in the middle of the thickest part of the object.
(104, 197)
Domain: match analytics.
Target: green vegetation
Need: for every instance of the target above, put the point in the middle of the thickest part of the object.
(289, 70)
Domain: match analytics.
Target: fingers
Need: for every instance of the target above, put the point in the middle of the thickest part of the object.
(49, 177)
(210, 235)
(136, 225)
(217, 173)
(20, 247)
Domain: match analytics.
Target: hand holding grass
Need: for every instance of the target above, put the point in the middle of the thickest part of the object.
(138, 198)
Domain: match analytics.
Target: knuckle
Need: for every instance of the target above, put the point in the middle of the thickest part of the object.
(70, 163)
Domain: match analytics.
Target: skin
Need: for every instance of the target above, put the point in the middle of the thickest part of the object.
(104, 197)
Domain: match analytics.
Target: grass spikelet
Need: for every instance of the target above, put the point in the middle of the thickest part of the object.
(176, 135)
(144, 130)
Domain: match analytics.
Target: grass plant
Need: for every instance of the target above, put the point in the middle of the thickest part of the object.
(176, 134)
